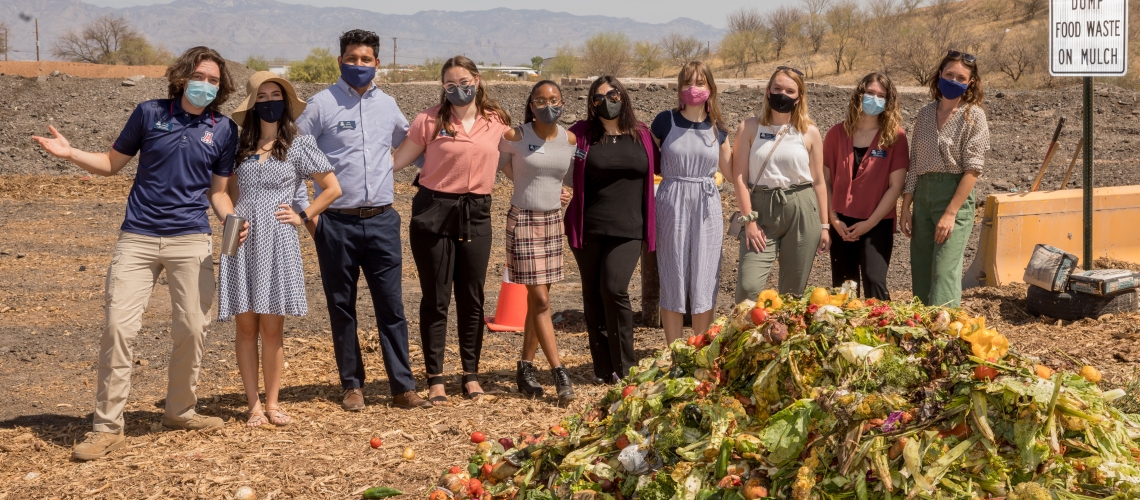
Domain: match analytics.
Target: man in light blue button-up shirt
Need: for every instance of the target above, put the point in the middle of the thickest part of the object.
(357, 125)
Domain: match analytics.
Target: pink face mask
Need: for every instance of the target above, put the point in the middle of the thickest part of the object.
(694, 96)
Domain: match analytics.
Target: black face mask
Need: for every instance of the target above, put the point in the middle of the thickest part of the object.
(609, 110)
(782, 103)
(270, 111)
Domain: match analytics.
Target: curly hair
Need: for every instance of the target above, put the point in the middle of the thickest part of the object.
(360, 37)
(800, 118)
(974, 95)
(180, 72)
(484, 104)
(251, 132)
(889, 120)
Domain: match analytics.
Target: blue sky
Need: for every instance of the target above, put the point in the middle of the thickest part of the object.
(711, 12)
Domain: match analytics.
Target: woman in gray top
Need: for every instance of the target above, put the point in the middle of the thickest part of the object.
(536, 156)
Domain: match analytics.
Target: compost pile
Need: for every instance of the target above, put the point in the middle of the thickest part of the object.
(827, 398)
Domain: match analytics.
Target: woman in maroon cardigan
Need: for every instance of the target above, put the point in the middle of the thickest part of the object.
(611, 215)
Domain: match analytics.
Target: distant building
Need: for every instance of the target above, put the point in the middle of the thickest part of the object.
(281, 70)
(519, 71)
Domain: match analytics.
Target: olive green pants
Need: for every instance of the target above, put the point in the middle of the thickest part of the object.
(791, 225)
(936, 270)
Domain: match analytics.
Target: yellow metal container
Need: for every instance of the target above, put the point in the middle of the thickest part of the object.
(1015, 223)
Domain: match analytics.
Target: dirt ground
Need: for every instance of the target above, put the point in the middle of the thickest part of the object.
(58, 229)
(31, 69)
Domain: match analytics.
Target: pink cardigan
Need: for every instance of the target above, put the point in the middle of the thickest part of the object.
(576, 212)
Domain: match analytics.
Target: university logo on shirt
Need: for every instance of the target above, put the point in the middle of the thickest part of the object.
(208, 138)
(161, 125)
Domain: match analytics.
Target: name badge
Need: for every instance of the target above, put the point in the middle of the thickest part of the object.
(164, 126)
(579, 154)
(878, 153)
(766, 135)
(345, 125)
(537, 149)
(255, 157)
(444, 133)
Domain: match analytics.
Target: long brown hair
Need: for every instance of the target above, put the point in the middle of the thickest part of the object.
(889, 119)
(711, 107)
(251, 132)
(627, 120)
(483, 103)
(800, 118)
(974, 95)
(180, 72)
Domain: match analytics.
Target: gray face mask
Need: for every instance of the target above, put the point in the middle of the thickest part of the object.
(609, 110)
(462, 96)
(548, 115)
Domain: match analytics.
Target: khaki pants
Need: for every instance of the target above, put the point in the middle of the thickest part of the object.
(790, 220)
(135, 266)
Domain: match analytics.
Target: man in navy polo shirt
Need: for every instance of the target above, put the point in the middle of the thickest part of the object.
(358, 126)
(186, 155)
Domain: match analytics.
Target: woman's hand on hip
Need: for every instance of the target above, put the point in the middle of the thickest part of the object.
(754, 237)
(824, 242)
(944, 228)
(286, 215)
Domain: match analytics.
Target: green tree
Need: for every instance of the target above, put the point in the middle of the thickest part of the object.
(564, 63)
(257, 63)
(318, 67)
(536, 63)
(647, 58)
(607, 53)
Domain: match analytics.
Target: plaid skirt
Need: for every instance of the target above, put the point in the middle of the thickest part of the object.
(534, 246)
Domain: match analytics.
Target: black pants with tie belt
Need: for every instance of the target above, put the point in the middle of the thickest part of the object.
(450, 236)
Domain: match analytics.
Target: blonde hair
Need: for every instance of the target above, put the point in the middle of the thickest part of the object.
(889, 120)
(711, 107)
(800, 118)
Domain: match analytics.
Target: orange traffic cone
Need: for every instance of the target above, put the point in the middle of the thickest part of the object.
(510, 312)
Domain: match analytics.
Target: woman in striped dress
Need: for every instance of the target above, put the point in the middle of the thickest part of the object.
(690, 226)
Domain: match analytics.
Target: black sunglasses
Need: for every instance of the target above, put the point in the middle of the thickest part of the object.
(789, 68)
(613, 96)
(968, 58)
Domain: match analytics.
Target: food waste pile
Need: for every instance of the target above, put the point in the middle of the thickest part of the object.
(823, 397)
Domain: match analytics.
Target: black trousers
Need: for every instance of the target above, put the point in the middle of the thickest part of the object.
(450, 236)
(606, 264)
(864, 261)
(345, 245)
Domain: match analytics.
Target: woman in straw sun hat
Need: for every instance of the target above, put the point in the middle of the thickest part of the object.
(265, 282)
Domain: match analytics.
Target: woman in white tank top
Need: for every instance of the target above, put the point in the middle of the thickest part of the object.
(780, 189)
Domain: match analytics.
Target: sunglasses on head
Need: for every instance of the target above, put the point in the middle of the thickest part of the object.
(789, 68)
(967, 58)
(613, 96)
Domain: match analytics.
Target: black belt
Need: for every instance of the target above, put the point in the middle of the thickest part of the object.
(362, 212)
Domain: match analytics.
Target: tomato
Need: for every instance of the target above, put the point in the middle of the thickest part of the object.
(478, 437)
(759, 315)
(622, 442)
(453, 470)
(985, 373)
(558, 430)
(485, 470)
(473, 486)
(883, 322)
(627, 391)
(910, 322)
(375, 443)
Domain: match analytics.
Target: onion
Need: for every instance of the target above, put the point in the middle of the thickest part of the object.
(409, 454)
(856, 353)
(941, 321)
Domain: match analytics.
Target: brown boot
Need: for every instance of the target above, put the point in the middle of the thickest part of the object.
(353, 400)
(410, 400)
(98, 445)
(195, 423)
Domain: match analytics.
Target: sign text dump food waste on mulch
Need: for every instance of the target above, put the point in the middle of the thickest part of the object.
(1088, 37)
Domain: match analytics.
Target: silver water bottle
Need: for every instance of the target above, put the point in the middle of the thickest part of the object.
(231, 234)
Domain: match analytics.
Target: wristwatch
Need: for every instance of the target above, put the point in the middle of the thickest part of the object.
(304, 217)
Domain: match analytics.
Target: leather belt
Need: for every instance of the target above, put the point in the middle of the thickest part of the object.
(362, 212)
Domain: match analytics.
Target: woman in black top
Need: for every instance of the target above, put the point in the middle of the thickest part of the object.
(610, 217)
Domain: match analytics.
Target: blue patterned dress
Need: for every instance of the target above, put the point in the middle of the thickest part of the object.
(266, 276)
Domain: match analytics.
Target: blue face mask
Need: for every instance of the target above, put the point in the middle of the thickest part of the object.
(873, 105)
(200, 93)
(357, 76)
(951, 89)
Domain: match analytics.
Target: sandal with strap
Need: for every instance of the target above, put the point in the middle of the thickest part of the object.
(278, 417)
(437, 400)
(470, 377)
(256, 418)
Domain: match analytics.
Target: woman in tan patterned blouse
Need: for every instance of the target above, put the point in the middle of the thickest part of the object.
(947, 154)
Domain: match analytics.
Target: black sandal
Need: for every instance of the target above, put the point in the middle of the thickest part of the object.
(437, 400)
(470, 377)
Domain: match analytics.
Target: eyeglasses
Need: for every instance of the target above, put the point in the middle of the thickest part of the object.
(450, 88)
(542, 103)
(613, 96)
(967, 58)
(789, 68)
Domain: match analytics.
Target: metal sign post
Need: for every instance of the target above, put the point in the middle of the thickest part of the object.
(1088, 38)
